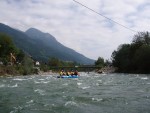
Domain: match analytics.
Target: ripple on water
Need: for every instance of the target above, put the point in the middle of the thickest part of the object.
(19, 79)
(10, 86)
(2, 85)
(97, 99)
(29, 102)
(41, 79)
(71, 103)
(144, 78)
(13, 86)
(41, 92)
(79, 83)
(41, 82)
(86, 87)
(17, 109)
(85, 95)
(65, 84)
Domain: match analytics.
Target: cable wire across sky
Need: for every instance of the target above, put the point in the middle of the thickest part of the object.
(104, 16)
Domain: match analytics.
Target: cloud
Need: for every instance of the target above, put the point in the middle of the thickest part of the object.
(77, 27)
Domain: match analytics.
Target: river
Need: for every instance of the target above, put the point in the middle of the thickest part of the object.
(91, 93)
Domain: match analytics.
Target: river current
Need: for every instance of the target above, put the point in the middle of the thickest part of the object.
(91, 93)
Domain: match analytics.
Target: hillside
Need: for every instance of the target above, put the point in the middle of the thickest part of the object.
(41, 46)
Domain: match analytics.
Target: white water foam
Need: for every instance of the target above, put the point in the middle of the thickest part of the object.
(19, 79)
(41, 82)
(41, 79)
(79, 83)
(144, 78)
(70, 103)
(12, 112)
(86, 87)
(2, 85)
(41, 92)
(10, 86)
(13, 86)
(29, 102)
(16, 109)
(97, 99)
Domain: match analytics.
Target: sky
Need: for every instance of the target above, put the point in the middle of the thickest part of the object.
(78, 27)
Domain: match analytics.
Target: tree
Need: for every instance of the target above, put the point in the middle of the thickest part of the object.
(20, 56)
(141, 38)
(142, 59)
(27, 65)
(100, 62)
(134, 57)
(6, 47)
(121, 58)
(54, 62)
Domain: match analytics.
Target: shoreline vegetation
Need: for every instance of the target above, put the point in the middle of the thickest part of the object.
(134, 57)
(12, 71)
(128, 58)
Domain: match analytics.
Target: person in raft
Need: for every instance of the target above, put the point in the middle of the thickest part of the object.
(76, 73)
(72, 72)
(62, 72)
(68, 73)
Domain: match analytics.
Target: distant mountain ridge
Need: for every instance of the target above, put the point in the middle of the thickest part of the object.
(41, 46)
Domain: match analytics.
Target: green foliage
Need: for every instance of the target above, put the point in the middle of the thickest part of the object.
(142, 59)
(100, 62)
(20, 56)
(27, 66)
(6, 47)
(54, 62)
(44, 67)
(141, 38)
(121, 57)
(134, 57)
(108, 63)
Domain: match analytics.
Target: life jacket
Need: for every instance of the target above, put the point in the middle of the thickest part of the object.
(72, 73)
(61, 73)
(68, 73)
(64, 73)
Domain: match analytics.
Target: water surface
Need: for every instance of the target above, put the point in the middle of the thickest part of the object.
(91, 93)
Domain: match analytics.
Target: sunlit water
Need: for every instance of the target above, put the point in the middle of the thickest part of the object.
(91, 93)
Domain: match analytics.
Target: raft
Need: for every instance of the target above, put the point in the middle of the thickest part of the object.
(70, 76)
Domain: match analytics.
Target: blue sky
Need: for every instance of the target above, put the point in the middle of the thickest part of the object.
(77, 27)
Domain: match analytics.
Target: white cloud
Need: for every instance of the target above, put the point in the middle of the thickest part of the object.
(78, 27)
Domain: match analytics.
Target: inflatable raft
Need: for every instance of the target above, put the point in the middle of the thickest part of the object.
(70, 76)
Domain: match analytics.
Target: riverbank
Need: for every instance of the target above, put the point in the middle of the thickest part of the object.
(19, 71)
(106, 70)
(8, 71)
(16, 70)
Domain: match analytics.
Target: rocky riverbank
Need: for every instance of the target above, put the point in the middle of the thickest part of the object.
(107, 70)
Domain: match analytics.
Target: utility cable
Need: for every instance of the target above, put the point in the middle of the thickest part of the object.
(104, 16)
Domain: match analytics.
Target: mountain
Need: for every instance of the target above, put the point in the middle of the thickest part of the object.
(41, 46)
